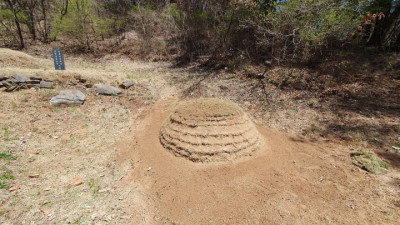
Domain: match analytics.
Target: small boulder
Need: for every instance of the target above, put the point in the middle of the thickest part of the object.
(68, 97)
(104, 89)
(46, 84)
(126, 84)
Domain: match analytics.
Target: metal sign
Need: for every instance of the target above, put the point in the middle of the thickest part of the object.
(58, 59)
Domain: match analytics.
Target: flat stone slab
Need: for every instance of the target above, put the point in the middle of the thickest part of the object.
(35, 78)
(68, 97)
(104, 89)
(19, 79)
(33, 82)
(46, 84)
(127, 84)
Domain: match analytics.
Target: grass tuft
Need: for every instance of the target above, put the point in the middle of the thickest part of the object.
(7, 155)
(369, 161)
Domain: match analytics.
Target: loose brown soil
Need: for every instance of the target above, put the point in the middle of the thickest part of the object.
(103, 163)
(291, 181)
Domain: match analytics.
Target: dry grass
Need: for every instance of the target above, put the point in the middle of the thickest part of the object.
(56, 144)
(13, 59)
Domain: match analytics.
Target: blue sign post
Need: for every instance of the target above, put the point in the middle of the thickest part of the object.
(58, 59)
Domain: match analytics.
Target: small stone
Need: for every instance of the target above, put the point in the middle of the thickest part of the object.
(127, 84)
(34, 176)
(107, 218)
(223, 87)
(125, 217)
(73, 82)
(13, 188)
(45, 211)
(81, 86)
(68, 97)
(46, 84)
(93, 217)
(44, 203)
(104, 89)
(76, 181)
(104, 190)
(396, 148)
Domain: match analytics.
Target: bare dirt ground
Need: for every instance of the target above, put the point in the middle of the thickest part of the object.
(102, 163)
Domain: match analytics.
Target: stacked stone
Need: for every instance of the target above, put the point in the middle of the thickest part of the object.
(17, 82)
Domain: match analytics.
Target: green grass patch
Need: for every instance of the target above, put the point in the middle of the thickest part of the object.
(78, 222)
(369, 161)
(94, 185)
(3, 184)
(7, 134)
(7, 175)
(7, 155)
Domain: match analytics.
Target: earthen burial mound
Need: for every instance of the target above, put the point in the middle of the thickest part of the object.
(209, 129)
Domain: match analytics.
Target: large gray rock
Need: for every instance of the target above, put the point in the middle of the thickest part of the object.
(104, 89)
(46, 84)
(19, 79)
(68, 97)
(127, 84)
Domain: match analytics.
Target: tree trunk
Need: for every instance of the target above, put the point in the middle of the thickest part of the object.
(45, 28)
(382, 30)
(21, 38)
(31, 25)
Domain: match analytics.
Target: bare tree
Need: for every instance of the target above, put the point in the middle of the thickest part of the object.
(13, 7)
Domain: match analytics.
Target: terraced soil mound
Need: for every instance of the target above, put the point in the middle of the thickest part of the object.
(209, 129)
